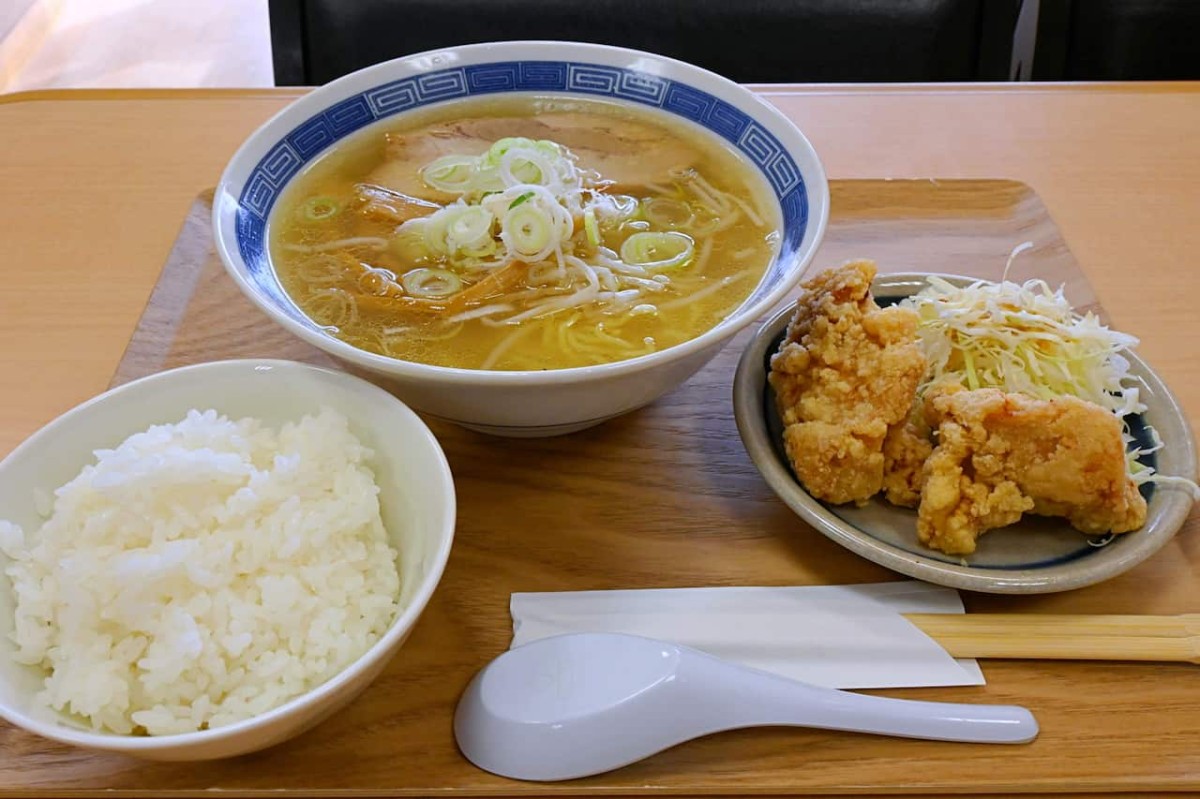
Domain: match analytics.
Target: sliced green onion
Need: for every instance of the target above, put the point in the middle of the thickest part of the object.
(525, 169)
(668, 213)
(458, 227)
(528, 230)
(522, 165)
(431, 283)
(435, 233)
(487, 180)
(485, 250)
(547, 147)
(451, 173)
(501, 147)
(409, 242)
(591, 228)
(520, 200)
(319, 208)
(658, 250)
(509, 162)
(470, 228)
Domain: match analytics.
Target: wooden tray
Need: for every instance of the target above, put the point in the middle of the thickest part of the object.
(667, 497)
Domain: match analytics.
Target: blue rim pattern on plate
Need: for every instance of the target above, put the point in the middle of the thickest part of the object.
(300, 146)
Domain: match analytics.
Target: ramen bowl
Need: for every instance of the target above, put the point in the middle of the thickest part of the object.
(532, 402)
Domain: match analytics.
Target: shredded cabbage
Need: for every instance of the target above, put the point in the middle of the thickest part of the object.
(1026, 338)
(1023, 338)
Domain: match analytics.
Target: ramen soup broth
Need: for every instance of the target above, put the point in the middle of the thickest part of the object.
(660, 232)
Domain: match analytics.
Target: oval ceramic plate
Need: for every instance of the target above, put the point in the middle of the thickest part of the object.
(1037, 555)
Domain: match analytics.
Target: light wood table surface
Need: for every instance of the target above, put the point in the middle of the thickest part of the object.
(93, 187)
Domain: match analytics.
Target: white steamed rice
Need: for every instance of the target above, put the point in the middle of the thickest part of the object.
(204, 572)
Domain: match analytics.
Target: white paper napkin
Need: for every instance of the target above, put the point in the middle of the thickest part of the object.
(835, 636)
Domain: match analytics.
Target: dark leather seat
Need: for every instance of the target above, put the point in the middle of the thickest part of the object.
(1118, 40)
(1134, 40)
(747, 40)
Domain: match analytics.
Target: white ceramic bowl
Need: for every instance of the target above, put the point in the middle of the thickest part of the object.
(1038, 555)
(527, 403)
(416, 498)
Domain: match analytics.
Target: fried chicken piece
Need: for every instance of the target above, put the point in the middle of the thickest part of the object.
(905, 450)
(845, 372)
(908, 446)
(1000, 456)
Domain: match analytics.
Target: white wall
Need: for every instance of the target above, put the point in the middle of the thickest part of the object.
(148, 43)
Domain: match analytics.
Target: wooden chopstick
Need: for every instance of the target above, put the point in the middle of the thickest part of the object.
(1051, 624)
(1064, 637)
(1095, 647)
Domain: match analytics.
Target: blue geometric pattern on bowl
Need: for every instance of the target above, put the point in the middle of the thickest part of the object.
(301, 145)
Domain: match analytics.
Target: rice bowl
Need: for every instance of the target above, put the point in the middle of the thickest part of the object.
(416, 504)
(204, 572)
